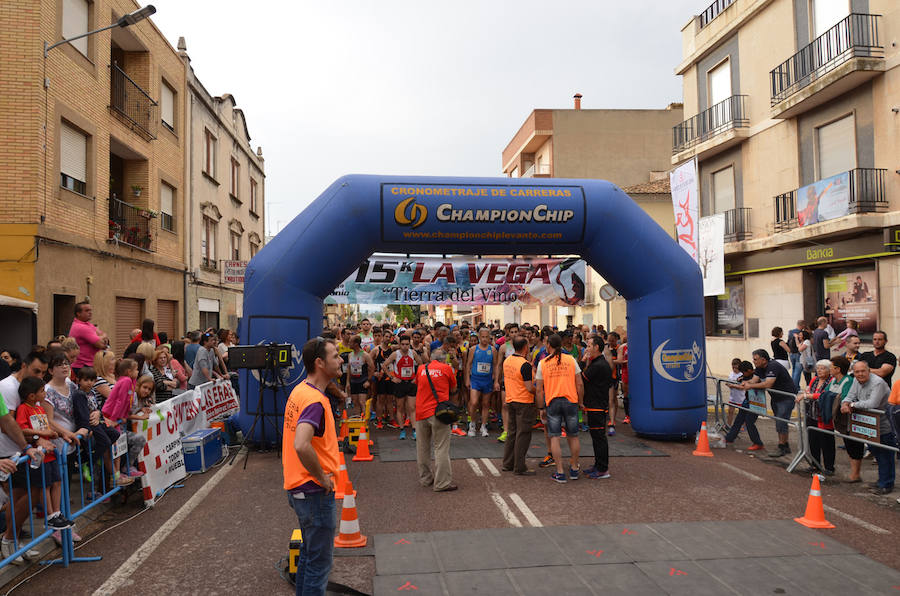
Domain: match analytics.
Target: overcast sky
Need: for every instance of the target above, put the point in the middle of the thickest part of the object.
(417, 87)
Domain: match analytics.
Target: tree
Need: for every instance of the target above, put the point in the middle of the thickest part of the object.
(405, 312)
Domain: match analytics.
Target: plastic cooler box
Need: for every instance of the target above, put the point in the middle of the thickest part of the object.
(202, 449)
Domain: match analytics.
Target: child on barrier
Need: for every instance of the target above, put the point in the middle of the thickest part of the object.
(119, 406)
(32, 417)
(744, 417)
(736, 395)
(88, 415)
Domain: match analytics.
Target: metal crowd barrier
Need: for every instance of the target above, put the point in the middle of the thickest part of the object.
(803, 450)
(84, 501)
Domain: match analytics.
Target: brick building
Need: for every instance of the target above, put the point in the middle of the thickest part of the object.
(92, 185)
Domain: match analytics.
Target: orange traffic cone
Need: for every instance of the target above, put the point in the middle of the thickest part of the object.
(345, 429)
(343, 478)
(362, 448)
(815, 512)
(703, 442)
(350, 536)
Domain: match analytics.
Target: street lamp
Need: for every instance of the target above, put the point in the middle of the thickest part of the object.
(125, 21)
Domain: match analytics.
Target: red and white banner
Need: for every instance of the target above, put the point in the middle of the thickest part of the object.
(686, 202)
(218, 400)
(162, 460)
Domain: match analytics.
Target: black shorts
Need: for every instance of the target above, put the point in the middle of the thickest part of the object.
(21, 478)
(405, 389)
(357, 387)
(384, 388)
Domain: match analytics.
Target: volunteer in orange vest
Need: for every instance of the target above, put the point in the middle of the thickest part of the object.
(310, 461)
(560, 391)
(519, 386)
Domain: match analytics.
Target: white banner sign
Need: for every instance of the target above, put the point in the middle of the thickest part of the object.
(685, 200)
(218, 400)
(162, 460)
(233, 271)
(712, 254)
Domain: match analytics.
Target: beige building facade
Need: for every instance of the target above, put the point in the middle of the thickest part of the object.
(92, 189)
(793, 116)
(630, 148)
(225, 218)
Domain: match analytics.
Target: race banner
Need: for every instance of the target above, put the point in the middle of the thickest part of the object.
(464, 280)
(712, 254)
(218, 401)
(685, 201)
(162, 459)
(823, 200)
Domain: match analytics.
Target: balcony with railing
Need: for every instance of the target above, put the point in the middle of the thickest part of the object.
(131, 225)
(702, 135)
(737, 224)
(131, 104)
(714, 10)
(537, 170)
(866, 194)
(840, 59)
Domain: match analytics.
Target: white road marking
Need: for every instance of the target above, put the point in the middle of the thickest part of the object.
(474, 465)
(505, 510)
(856, 520)
(490, 467)
(526, 511)
(126, 570)
(743, 473)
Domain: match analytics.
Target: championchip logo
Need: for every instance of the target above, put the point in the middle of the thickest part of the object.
(681, 365)
(410, 213)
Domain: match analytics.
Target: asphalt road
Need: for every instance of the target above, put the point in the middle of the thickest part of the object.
(233, 538)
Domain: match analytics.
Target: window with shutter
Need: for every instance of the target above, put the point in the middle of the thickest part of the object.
(827, 14)
(75, 22)
(166, 207)
(723, 190)
(167, 106)
(720, 83)
(836, 147)
(72, 158)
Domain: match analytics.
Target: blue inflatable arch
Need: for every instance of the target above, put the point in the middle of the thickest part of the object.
(287, 281)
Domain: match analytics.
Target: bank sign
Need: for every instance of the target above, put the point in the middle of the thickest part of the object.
(482, 213)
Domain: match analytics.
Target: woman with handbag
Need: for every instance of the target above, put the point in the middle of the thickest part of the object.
(821, 445)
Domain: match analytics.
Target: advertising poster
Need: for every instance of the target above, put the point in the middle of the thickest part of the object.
(730, 309)
(823, 200)
(852, 295)
(685, 201)
(712, 254)
(464, 281)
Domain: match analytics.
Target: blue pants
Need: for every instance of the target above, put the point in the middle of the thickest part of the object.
(316, 516)
(744, 418)
(796, 368)
(885, 459)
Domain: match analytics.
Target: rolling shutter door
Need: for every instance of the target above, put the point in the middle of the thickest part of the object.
(128, 316)
(167, 318)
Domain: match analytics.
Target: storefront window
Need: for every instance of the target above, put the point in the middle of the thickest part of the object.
(729, 310)
(851, 295)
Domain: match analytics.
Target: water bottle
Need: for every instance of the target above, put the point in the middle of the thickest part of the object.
(36, 461)
(4, 476)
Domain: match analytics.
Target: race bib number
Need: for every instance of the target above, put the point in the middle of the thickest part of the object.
(356, 369)
(39, 421)
(406, 372)
(344, 368)
(483, 368)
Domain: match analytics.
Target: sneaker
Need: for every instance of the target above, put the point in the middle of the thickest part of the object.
(627, 420)
(484, 430)
(58, 522)
(8, 547)
(538, 426)
(611, 431)
(134, 472)
(458, 432)
(502, 437)
(574, 474)
(583, 428)
(561, 478)
(547, 461)
(402, 434)
(414, 435)
(755, 447)
(86, 472)
(595, 475)
(379, 425)
(781, 452)
(471, 430)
